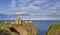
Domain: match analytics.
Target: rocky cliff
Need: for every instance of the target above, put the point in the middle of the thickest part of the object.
(17, 27)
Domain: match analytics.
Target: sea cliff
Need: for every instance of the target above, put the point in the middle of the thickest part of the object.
(54, 30)
(18, 27)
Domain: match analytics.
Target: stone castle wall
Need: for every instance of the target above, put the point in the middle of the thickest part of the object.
(19, 21)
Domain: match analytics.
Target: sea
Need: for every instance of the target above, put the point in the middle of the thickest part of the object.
(41, 25)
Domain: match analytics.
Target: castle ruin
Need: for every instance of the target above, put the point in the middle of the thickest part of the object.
(19, 21)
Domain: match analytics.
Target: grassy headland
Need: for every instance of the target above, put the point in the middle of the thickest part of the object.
(17, 27)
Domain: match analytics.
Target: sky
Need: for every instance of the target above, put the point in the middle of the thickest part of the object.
(30, 9)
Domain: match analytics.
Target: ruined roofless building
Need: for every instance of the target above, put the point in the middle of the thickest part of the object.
(18, 21)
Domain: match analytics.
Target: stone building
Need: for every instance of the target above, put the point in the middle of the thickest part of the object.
(18, 21)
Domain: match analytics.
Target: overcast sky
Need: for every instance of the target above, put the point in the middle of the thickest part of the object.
(30, 9)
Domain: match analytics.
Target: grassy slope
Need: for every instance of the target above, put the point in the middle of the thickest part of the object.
(52, 29)
(6, 26)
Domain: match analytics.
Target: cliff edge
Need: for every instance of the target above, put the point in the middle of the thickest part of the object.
(54, 30)
(18, 27)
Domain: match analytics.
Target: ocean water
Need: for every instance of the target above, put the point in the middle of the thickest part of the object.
(42, 25)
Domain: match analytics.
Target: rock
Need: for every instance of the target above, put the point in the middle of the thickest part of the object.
(31, 28)
(21, 30)
(18, 21)
(19, 27)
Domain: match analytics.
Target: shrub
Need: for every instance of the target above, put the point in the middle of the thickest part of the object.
(4, 32)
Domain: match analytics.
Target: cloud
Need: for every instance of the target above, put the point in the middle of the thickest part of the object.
(37, 9)
(20, 13)
(3, 16)
(23, 3)
(12, 5)
(56, 7)
(38, 2)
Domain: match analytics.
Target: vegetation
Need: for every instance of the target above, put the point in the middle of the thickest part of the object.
(4, 28)
(53, 28)
(4, 32)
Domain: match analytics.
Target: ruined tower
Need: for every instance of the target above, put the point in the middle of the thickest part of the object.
(18, 21)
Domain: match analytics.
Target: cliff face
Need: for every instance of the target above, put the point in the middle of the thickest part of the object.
(31, 29)
(18, 28)
(54, 29)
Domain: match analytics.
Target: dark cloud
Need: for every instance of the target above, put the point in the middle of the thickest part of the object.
(3, 15)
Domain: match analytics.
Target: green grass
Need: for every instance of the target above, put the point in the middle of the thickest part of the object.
(52, 29)
(4, 29)
(6, 26)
